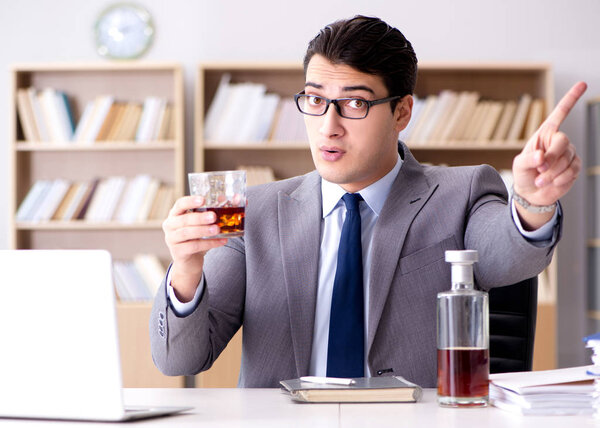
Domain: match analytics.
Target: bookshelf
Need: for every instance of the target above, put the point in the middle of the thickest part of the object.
(498, 82)
(75, 161)
(593, 211)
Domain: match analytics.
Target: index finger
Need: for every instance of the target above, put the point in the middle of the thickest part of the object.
(564, 106)
(185, 203)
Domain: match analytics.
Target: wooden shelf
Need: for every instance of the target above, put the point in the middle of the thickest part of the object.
(100, 146)
(87, 225)
(129, 82)
(449, 146)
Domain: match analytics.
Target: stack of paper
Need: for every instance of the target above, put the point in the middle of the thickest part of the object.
(593, 341)
(567, 391)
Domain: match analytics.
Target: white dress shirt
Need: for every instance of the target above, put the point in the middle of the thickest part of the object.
(334, 213)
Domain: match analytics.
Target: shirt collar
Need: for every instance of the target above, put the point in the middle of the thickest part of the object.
(374, 194)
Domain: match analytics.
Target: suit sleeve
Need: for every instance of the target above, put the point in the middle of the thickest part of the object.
(189, 345)
(503, 251)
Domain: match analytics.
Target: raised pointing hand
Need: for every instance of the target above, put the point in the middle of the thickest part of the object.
(548, 165)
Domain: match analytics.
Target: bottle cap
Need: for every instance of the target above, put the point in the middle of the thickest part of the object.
(462, 256)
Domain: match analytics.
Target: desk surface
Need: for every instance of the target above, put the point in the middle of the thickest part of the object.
(271, 408)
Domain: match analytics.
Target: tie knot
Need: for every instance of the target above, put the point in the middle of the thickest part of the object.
(351, 200)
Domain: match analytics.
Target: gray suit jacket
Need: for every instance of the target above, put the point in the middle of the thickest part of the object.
(267, 280)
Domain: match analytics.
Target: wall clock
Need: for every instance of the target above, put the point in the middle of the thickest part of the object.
(124, 31)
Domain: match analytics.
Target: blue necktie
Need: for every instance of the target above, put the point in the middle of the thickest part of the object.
(345, 352)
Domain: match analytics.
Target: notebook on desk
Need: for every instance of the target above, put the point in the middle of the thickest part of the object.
(60, 346)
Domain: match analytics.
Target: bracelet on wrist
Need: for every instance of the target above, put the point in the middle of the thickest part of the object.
(538, 209)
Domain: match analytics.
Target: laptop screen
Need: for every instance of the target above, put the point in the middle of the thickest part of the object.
(60, 350)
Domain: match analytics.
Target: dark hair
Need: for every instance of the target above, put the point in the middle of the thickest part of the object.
(371, 46)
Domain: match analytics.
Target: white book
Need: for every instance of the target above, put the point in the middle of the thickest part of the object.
(54, 197)
(234, 112)
(32, 200)
(40, 121)
(518, 123)
(99, 114)
(428, 107)
(249, 120)
(120, 276)
(113, 192)
(217, 105)
(76, 201)
(151, 270)
(148, 120)
(64, 115)
(162, 108)
(148, 199)
(286, 119)
(116, 194)
(94, 210)
(265, 120)
(48, 102)
(136, 283)
(83, 121)
(133, 198)
(439, 120)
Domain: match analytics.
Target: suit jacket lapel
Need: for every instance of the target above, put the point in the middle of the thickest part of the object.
(300, 215)
(408, 195)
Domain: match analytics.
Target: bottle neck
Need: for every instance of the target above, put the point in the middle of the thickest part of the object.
(462, 276)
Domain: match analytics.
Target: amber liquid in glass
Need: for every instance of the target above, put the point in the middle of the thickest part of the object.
(463, 372)
(229, 219)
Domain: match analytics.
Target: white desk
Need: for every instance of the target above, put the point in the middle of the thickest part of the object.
(270, 408)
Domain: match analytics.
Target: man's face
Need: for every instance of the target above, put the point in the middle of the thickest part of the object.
(353, 153)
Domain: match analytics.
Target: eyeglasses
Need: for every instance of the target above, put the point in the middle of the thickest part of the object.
(350, 108)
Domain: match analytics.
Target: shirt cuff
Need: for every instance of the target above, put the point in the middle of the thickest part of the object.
(543, 233)
(183, 309)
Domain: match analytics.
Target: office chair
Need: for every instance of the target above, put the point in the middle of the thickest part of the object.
(513, 311)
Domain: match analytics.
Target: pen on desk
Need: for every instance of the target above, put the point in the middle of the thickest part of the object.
(331, 380)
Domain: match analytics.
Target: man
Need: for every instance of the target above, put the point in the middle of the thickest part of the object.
(288, 279)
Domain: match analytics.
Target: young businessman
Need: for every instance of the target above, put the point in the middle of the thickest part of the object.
(287, 280)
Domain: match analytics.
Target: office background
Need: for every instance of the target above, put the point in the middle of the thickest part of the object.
(560, 32)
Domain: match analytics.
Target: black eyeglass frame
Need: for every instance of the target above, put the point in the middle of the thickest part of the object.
(335, 102)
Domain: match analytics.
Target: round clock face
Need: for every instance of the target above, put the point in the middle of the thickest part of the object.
(124, 31)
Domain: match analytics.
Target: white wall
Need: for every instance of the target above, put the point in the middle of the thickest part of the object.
(561, 32)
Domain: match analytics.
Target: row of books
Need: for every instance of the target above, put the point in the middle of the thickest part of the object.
(120, 199)
(138, 279)
(246, 113)
(47, 115)
(463, 116)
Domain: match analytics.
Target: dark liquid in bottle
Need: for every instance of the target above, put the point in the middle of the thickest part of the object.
(229, 219)
(463, 372)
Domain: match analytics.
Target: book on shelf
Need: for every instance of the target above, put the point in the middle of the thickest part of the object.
(81, 190)
(515, 131)
(415, 136)
(535, 117)
(51, 200)
(362, 390)
(490, 121)
(152, 112)
(506, 118)
(565, 391)
(439, 118)
(257, 174)
(26, 116)
(215, 110)
(138, 279)
(84, 204)
(40, 120)
(32, 200)
(66, 202)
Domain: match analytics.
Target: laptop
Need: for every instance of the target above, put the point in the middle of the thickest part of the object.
(59, 354)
